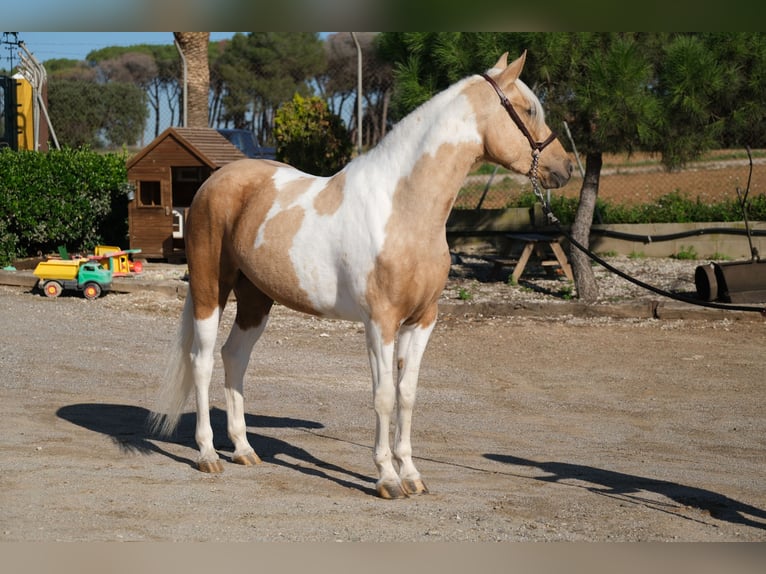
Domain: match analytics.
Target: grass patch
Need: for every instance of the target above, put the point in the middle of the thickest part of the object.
(464, 294)
(686, 253)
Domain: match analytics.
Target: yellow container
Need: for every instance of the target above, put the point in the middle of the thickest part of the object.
(25, 117)
(64, 269)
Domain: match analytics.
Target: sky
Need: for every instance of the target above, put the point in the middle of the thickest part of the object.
(77, 45)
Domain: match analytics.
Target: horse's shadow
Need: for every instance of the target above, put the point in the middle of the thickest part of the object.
(127, 426)
(629, 487)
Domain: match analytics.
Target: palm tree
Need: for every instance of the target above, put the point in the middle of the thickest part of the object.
(194, 46)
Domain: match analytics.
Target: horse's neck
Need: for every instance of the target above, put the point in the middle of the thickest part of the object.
(425, 159)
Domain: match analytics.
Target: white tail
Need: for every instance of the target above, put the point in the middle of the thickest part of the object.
(177, 382)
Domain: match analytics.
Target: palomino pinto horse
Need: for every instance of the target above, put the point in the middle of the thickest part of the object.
(367, 244)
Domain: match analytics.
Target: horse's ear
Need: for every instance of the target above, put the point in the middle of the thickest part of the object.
(513, 71)
(502, 63)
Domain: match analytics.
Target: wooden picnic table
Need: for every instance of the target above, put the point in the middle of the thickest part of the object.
(535, 243)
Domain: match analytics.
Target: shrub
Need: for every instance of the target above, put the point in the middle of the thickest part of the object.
(71, 197)
(311, 138)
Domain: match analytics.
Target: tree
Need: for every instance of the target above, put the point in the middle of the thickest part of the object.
(124, 113)
(137, 68)
(66, 68)
(338, 85)
(261, 70)
(96, 114)
(162, 86)
(194, 46)
(216, 51)
(165, 88)
(233, 84)
(600, 84)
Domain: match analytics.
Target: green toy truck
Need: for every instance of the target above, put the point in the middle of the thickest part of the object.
(73, 274)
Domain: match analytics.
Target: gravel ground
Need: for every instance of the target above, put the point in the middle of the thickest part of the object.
(529, 427)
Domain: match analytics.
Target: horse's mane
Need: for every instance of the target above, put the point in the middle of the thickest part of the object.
(398, 140)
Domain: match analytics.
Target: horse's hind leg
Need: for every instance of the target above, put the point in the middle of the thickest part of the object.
(253, 307)
(205, 331)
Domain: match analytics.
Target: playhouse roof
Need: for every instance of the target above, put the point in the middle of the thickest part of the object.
(210, 147)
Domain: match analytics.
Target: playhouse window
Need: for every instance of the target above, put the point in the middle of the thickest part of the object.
(150, 193)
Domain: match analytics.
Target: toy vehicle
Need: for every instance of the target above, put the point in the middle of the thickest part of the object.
(73, 274)
(117, 260)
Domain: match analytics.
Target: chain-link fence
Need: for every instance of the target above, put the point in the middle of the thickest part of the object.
(633, 180)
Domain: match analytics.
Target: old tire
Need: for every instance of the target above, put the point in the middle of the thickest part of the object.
(92, 291)
(52, 288)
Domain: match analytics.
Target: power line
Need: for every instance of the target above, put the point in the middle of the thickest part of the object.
(9, 40)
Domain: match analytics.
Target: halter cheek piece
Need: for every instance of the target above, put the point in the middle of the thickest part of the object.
(537, 147)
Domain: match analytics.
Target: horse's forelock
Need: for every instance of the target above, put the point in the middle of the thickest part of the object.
(537, 108)
(534, 102)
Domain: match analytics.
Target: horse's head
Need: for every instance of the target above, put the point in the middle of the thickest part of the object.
(513, 126)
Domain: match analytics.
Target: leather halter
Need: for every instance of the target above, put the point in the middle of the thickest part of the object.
(537, 146)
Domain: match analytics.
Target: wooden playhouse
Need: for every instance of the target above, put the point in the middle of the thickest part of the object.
(165, 176)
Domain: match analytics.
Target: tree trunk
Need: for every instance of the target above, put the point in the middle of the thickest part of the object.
(194, 46)
(585, 280)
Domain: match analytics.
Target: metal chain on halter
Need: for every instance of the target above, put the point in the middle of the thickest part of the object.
(552, 219)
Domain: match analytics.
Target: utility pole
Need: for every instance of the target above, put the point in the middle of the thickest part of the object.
(358, 93)
(10, 39)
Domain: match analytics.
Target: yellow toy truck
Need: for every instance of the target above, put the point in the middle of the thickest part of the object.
(56, 275)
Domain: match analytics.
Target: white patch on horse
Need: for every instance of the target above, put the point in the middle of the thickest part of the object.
(331, 258)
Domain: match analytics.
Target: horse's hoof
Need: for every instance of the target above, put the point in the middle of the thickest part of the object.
(213, 467)
(247, 459)
(391, 491)
(414, 486)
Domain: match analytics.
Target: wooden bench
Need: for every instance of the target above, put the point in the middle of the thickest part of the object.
(534, 242)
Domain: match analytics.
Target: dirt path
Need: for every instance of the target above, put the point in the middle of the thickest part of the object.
(525, 429)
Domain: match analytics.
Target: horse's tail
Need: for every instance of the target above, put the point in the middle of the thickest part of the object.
(178, 381)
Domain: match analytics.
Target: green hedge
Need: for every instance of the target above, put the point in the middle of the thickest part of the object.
(71, 197)
(671, 208)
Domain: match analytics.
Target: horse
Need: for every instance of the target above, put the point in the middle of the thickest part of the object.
(367, 244)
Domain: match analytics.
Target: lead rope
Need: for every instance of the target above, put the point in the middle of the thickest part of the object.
(553, 220)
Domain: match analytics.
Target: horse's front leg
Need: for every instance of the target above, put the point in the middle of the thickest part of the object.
(412, 344)
(381, 356)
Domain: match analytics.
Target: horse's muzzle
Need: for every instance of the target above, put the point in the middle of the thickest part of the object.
(552, 177)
